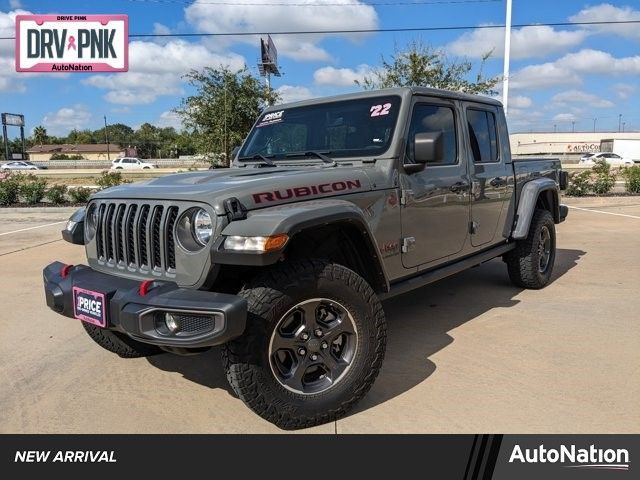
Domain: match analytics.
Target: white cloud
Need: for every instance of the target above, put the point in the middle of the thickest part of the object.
(160, 29)
(169, 119)
(67, 118)
(519, 101)
(624, 90)
(342, 77)
(311, 15)
(582, 98)
(606, 12)
(569, 69)
(543, 76)
(526, 42)
(156, 69)
(596, 61)
(10, 80)
(565, 118)
(289, 93)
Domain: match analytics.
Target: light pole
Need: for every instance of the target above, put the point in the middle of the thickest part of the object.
(573, 126)
(619, 122)
(623, 125)
(106, 138)
(594, 124)
(507, 54)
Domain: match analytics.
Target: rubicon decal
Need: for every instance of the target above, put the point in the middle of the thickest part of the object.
(574, 457)
(72, 43)
(306, 191)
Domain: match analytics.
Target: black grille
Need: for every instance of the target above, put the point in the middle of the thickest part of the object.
(136, 235)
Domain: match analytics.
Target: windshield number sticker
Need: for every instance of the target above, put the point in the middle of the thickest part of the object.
(379, 110)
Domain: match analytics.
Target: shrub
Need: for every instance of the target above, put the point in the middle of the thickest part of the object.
(64, 156)
(9, 188)
(56, 194)
(579, 184)
(108, 179)
(604, 180)
(79, 194)
(632, 179)
(33, 188)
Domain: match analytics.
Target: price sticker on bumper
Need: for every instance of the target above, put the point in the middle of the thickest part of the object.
(89, 306)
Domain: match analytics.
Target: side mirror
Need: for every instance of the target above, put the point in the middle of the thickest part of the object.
(234, 151)
(428, 147)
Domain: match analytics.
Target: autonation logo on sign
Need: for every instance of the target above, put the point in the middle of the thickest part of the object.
(72, 43)
(573, 457)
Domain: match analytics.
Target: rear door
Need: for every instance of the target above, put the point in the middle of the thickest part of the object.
(489, 174)
(435, 210)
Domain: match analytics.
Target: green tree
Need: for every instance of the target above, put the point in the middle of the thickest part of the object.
(224, 107)
(422, 65)
(81, 136)
(40, 135)
(119, 133)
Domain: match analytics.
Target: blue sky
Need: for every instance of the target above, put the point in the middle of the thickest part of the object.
(559, 75)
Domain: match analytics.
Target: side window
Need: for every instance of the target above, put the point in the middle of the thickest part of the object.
(434, 119)
(482, 134)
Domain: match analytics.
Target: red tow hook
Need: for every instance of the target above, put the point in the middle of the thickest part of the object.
(144, 287)
(64, 271)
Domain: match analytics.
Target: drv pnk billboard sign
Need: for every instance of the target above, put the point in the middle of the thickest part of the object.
(72, 43)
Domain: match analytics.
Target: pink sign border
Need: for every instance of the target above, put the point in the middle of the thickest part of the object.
(83, 317)
(97, 66)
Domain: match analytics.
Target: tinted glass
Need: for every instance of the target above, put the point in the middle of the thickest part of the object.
(482, 134)
(360, 127)
(434, 119)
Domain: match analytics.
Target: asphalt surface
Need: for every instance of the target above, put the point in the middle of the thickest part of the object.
(470, 353)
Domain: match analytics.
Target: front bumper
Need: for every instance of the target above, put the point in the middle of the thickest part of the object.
(141, 316)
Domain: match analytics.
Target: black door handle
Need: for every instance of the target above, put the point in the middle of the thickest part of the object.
(459, 187)
(498, 182)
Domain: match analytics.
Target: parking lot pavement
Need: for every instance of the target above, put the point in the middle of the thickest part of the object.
(469, 353)
(22, 228)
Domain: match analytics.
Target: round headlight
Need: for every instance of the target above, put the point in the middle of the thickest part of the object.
(202, 227)
(90, 222)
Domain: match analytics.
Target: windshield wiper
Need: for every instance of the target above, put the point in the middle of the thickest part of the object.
(314, 153)
(264, 160)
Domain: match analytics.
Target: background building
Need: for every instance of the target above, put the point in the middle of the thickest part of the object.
(88, 151)
(568, 146)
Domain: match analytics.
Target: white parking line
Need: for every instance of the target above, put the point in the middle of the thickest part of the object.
(606, 213)
(32, 228)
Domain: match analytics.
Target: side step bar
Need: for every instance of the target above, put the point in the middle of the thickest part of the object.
(439, 273)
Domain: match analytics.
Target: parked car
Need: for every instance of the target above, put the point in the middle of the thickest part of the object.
(612, 159)
(21, 165)
(131, 163)
(284, 257)
(586, 157)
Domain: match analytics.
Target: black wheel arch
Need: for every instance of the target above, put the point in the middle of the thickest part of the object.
(345, 239)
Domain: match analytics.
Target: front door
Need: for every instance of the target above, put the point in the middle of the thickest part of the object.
(435, 211)
(489, 174)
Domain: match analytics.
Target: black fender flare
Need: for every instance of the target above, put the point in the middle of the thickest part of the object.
(529, 195)
(292, 219)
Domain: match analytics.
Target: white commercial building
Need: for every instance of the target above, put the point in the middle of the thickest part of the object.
(567, 146)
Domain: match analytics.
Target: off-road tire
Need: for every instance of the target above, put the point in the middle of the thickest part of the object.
(523, 262)
(272, 293)
(119, 343)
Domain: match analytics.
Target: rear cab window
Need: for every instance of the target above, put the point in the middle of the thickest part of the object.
(482, 135)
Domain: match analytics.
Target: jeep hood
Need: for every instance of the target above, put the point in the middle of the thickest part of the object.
(254, 187)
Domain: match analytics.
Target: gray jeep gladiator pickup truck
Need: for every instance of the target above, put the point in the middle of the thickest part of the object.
(330, 206)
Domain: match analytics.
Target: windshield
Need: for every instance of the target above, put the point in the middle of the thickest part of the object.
(350, 128)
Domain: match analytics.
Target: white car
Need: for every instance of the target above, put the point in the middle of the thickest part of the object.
(20, 165)
(131, 163)
(611, 158)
